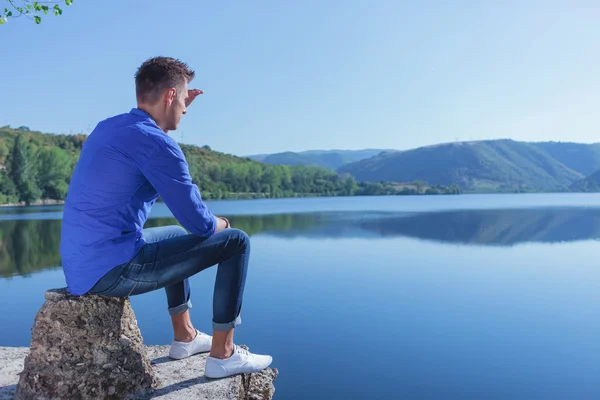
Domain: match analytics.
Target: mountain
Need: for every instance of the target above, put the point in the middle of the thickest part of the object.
(495, 165)
(590, 183)
(581, 157)
(332, 159)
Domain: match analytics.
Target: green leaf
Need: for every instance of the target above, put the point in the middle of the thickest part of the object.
(9, 14)
(2, 20)
(37, 19)
(68, 2)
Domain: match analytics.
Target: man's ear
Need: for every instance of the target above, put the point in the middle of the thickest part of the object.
(170, 96)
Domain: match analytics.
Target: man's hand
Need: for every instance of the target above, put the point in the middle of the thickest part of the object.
(192, 94)
(222, 223)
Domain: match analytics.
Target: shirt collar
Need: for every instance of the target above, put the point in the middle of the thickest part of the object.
(141, 113)
(144, 114)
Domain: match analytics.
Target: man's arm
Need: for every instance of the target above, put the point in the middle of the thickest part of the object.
(167, 170)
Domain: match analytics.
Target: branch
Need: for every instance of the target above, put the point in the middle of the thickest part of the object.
(32, 9)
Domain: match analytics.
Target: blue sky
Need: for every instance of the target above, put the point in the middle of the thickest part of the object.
(299, 75)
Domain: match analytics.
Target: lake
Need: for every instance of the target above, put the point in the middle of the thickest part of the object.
(417, 297)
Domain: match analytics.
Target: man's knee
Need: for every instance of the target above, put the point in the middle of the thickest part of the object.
(239, 237)
(179, 230)
(173, 231)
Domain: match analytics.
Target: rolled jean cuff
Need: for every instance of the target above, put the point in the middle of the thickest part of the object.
(180, 308)
(220, 327)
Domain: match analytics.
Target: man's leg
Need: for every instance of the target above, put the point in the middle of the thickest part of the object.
(168, 263)
(183, 329)
(231, 250)
(170, 256)
(180, 257)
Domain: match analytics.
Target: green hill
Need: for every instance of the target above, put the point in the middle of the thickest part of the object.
(581, 157)
(498, 165)
(590, 183)
(34, 165)
(332, 159)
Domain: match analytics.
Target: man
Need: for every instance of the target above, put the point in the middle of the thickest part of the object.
(127, 162)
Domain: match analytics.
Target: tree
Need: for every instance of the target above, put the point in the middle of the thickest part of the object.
(349, 185)
(8, 189)
(22, 171)
(454, 189)
(3, 152)
(54, 170)
(31, 9)
(421, 185)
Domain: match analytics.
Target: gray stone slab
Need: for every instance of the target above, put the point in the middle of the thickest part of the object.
(179, 379)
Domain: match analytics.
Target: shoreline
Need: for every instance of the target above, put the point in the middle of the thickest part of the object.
(51, 202)
(47, 202)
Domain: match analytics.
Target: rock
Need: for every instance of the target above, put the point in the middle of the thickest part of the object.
(124, 340)
(11, 364)
(259, 386)
(76, 341)
(179, 379)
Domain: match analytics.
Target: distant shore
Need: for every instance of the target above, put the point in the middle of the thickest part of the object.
(238, 196)
(47, 202)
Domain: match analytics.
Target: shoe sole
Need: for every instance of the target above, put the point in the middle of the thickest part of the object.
(239, 373)
(193, 354)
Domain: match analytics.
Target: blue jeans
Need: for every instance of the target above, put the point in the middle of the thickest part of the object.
(171, 256)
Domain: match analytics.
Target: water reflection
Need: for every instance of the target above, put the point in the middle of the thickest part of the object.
(28, 245)
(494, 227)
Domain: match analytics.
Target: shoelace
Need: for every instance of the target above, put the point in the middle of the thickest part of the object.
(242, 351)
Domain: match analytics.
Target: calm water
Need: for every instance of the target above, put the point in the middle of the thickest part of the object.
(459, 297)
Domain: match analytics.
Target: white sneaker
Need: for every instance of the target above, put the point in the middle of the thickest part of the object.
(240, 362)
(201, 343)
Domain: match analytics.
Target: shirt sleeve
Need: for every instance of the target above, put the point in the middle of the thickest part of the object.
(167, 170)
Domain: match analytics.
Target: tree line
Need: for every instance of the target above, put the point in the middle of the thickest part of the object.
(31, 172)
(36, 166)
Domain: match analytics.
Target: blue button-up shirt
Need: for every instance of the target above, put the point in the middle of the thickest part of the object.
(126, 163)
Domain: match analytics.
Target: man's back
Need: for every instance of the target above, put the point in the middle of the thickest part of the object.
(109, 198)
